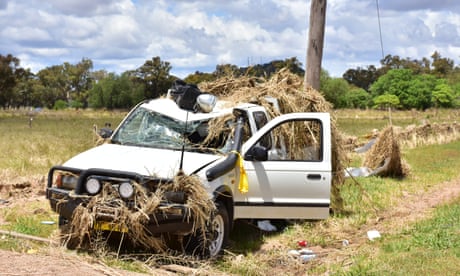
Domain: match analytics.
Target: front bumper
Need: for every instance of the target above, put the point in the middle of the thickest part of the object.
(168, 216)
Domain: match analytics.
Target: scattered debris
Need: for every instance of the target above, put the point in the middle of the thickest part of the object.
(265, 225)
(304, 254)
(373, 234)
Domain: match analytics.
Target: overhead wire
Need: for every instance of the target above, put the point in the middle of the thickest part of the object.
(380, 28)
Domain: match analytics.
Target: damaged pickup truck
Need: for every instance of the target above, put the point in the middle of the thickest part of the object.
(171, 172)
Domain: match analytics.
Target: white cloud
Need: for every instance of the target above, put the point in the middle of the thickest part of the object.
(121, 35)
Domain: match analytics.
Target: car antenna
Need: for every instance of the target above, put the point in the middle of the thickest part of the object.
(181, 164)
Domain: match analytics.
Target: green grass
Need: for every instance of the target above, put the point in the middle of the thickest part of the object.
(56, 136)
(53, 138)
(29, 220)
(430, 247)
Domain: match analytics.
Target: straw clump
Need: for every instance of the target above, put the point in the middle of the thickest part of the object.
(384, 157)
(134, 220)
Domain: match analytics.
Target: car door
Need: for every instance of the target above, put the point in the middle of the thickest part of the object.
(290, 180)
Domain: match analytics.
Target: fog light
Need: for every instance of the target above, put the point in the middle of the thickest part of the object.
(126, 190)
(93, 186)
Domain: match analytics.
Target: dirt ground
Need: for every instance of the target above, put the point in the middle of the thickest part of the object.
(56, 261)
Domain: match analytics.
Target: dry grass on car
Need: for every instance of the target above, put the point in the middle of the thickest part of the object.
(291, 95)
(146, 203)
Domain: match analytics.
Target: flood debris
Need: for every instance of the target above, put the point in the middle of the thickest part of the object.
(133, 220)
(384, 157)
(291, 96)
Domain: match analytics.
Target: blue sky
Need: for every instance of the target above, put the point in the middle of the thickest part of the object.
(120, 35)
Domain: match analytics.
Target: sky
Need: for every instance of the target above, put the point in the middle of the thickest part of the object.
(120, 35)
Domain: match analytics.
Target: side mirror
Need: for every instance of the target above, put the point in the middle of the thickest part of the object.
(206, 102)
(105, 132)
(257, 153)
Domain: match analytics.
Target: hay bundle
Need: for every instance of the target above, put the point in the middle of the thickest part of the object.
(384, 157)
(291, 95)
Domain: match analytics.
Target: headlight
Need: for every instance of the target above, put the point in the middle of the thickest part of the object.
(126, 190)
(66, 181)
(93, 186)
(69, 181)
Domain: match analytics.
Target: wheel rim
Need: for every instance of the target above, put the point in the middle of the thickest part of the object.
(217, 235)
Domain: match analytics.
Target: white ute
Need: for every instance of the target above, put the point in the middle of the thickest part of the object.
(158, 138)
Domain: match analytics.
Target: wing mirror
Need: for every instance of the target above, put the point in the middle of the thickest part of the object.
(257, 153)
(206, 102)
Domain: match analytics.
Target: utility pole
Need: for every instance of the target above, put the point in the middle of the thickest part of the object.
(315, 43)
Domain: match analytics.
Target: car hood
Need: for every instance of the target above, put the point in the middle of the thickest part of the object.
(163, 163)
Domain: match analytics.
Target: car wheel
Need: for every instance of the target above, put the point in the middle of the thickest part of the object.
(216, 237)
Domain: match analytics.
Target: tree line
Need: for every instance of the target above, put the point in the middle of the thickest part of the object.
(399, 83)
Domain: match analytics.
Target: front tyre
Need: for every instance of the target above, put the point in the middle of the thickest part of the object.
(218, 231)
(211, 244)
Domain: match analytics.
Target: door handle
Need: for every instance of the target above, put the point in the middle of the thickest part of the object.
(314, 176)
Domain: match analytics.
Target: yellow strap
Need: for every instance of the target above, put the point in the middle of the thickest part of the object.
(243, 185)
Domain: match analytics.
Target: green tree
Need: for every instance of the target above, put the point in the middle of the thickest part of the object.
(334, 90)
(362, 77)
(198, 77)
(10, 72)
(386, 101)
(54, 81)
(442, 95)
(116, 91)
(154, 74)
(23, 91)
(224, 70)
(414, 91)
(357, 98)
(441, 66)
(78, 81)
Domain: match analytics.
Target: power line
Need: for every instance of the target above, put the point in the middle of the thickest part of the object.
(380, 28)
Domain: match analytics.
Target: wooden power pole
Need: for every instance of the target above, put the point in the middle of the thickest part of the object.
(315, 43)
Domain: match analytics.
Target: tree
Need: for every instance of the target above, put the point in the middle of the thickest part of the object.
(227, 70)
(116, 91)
(442, 95)
(334, 90)
(362, 77)
(387, 101)
(441, 66)
(414, 91)
(357, 98)
(78, 81)
(9, 72)
(154, 74)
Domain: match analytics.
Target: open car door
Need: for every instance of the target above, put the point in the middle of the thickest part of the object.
(288, 165)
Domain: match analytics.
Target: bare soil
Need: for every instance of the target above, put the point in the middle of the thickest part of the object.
(57, 261)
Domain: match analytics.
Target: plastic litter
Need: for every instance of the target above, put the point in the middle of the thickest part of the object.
(373, 234)
(304, 254)
(265, 225)
(302, 243)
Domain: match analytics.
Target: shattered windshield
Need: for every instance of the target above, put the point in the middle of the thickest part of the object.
(147, 128)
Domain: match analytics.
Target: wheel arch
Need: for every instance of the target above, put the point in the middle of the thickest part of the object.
(225, 195)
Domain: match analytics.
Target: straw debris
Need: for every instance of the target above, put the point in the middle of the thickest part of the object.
(133, 220)
(291, 96)
(384, 157)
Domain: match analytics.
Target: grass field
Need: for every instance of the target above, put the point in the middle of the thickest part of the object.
(428, 247)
